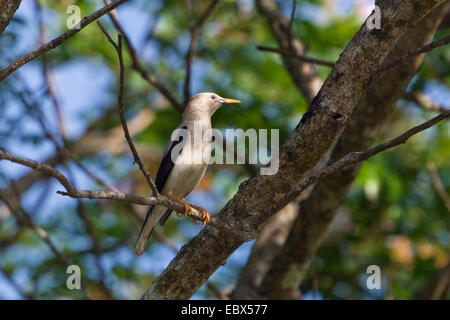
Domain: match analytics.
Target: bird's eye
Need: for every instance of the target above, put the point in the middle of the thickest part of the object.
(213, 97)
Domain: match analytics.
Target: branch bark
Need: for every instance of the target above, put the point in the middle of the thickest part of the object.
(317, 212)
(137, 65)
(195, 32)
(7, 9)
(255, 201)
(57, 41)
(303, 73)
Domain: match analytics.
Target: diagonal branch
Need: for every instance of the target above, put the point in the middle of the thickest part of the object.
(57, 41)
(296, 56)
(423, 101)
(355, 157)
(110, 195)
(303, 73)
(24, 219)
(136, 64)
(347, 160)
(7, 8)
(420, 50)
(307, 146)
(195, 32)
(438, 186)
(319, 209)
(137, 158)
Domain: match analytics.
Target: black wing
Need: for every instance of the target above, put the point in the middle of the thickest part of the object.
(167, 163)
(164, 170)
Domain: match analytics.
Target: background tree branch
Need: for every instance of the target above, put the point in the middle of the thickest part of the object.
(7, 8)
(320, 126)
(317, 212)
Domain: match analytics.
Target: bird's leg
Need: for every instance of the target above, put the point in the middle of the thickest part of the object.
(205, 214)
(188, 210)
(187, 207)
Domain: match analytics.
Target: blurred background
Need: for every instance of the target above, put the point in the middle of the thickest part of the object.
(393, 216)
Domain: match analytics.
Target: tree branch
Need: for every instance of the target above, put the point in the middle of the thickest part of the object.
(438, 186)
(423, 101)
(112, 195)
(136, 64)
(303, 74)
(420, 50)
(137, 158)
(356, 157)
(297, 56)
(319, 209)
(7, 8)
(57, 41)
(327, 116)
(195, 32)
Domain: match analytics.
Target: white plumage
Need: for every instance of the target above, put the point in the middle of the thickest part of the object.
(179, 173)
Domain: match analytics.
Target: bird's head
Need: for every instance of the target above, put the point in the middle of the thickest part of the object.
(208, 102)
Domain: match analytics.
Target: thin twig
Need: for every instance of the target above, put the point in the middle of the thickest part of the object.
(414, 52)
(108, 195)
(34, 109)
(25, 220)
(96, 248)
(423, 101)
(46, 74)
(291, 22)
(136, 64)
(137, 158)
(355, 157)
(15, 285)
(195, 32)
(57, 41)
(299, 57)
(438, 186)
(42, 167)
(345, 161)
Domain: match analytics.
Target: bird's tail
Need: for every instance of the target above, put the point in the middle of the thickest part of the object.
(146, 231)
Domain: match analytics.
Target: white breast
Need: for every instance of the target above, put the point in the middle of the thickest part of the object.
(190, 165)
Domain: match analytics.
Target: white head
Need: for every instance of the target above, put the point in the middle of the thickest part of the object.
(206, 103)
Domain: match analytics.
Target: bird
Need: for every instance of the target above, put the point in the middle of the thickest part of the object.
(178, 174)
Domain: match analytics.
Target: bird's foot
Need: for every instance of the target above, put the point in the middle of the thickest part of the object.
(205, 214)
(187, 207)
(188, 210)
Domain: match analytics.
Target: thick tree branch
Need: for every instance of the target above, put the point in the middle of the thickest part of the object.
(57, 41)
(7, 9)
(111, 195)
(369, 116)
(255, 201)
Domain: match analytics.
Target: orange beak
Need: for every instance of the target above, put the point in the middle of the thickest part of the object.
(225, 100)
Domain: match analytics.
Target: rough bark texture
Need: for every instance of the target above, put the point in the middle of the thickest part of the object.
(256, 200)
(276, 230)
(7, 10)
(270, 240)
(317, 212)
(303, 74)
